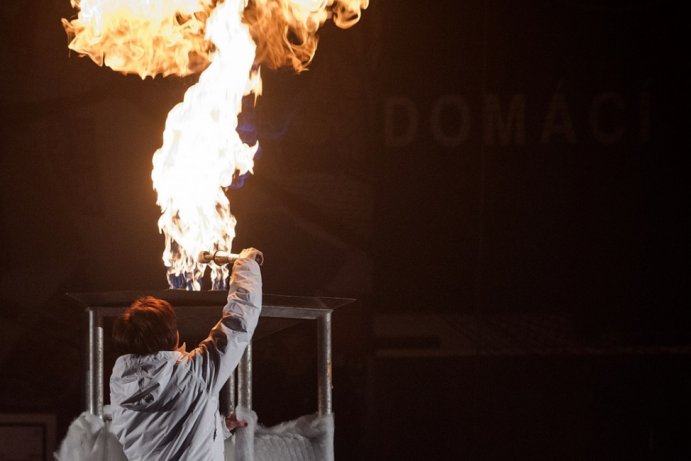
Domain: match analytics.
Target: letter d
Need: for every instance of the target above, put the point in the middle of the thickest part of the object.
(401, 121)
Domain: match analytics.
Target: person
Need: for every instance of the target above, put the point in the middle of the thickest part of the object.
(164, 401)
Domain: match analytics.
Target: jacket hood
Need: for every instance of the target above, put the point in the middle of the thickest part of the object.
(146, 382)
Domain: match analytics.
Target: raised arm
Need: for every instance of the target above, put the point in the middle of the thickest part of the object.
(219, 354)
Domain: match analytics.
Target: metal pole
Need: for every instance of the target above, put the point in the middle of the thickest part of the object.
(324, 369)
(94, 363)
(228, 395)
(99, 364)
(245, 379)
(231, 395)
(89, 381)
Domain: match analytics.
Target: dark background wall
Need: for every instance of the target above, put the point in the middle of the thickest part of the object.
(461, 160)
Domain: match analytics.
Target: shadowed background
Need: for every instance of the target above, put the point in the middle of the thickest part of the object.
(499, 185)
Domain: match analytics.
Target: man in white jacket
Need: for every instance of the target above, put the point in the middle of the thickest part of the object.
(164, 401)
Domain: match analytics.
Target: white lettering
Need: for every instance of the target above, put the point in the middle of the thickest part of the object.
(515, 120)
(644, 119)
(458, 103)
(599, 132)
(401, 121)
(611, 116)
(558, 120)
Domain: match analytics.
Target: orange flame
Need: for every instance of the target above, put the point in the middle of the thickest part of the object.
(201, 147)
(142, 37)
(285, 30)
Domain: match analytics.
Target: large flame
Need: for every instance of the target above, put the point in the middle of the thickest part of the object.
(144, 37)
(285, 30)
(201, 148)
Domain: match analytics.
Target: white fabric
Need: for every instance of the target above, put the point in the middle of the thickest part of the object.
(165, 405)
(89, 439)
(243, 439)
(307, 438)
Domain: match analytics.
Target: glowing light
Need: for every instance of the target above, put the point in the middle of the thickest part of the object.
(201, 150)
(227, 41)
(144, 37)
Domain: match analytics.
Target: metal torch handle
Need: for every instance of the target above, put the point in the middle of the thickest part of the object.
(223, 257)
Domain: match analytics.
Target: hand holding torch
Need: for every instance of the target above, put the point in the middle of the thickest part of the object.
(221, 257)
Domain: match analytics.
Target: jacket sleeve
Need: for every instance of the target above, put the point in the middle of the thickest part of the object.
(217, 356)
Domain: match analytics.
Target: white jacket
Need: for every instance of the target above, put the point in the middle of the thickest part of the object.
(165, 405)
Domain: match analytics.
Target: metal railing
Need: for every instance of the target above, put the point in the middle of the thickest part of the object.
(206, 307)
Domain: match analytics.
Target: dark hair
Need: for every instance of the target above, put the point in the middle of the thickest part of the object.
(149, 325)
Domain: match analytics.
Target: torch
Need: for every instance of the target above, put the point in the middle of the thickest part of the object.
(221, 257)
